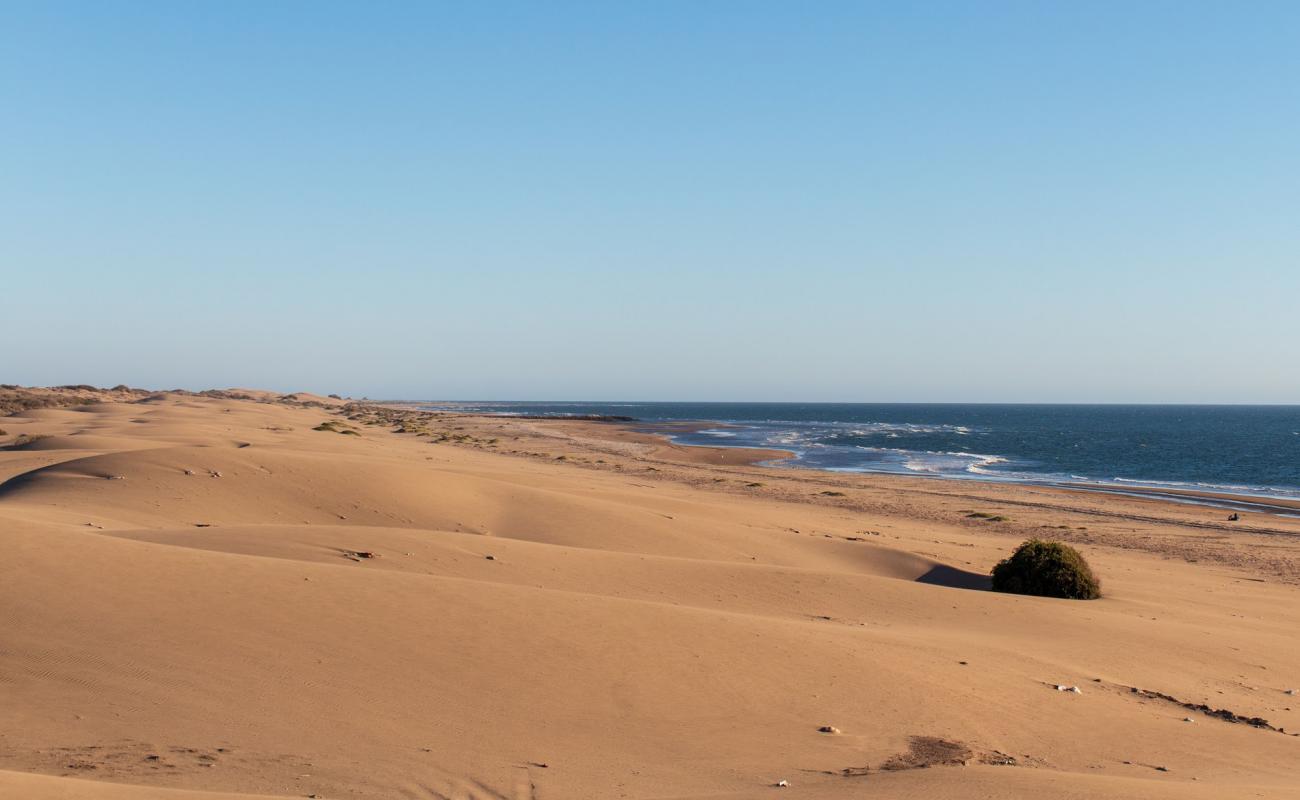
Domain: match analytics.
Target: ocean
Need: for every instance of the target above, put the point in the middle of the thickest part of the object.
(1250, 450)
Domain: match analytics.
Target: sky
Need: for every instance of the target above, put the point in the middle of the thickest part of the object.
(865, 201)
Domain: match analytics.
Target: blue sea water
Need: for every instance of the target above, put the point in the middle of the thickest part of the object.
(1236, 449)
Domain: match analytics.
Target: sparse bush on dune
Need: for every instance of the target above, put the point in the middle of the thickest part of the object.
(1046, 569)
(335, 426)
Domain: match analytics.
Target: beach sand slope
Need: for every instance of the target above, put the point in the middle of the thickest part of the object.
(206, 597)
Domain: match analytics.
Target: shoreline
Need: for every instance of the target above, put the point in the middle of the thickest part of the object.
(1167, 526)
(664, 434)
(1225, 500)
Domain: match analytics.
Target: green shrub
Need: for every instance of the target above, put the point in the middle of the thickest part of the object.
(1046, 569)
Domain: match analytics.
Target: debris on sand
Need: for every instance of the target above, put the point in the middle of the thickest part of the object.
(782, 784)
(1218, 713)
(998, 758)
(357, 555)
(1060, 687)
(828, 729)
(929, 751)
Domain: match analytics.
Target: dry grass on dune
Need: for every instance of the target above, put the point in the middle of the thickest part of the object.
(208, 594)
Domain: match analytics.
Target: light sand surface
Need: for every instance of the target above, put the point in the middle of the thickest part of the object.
(575, 610)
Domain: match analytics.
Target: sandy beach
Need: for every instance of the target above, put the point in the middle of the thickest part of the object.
(252, 595)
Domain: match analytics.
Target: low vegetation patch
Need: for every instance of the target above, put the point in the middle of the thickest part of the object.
(17, 399)
(335, 426)
(23, 441)
(1046, 569)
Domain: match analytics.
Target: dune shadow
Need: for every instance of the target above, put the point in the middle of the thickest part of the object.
(15, 483)
(31, 476)
(944, 575)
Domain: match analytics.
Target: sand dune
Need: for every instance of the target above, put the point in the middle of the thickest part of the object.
(188, 607)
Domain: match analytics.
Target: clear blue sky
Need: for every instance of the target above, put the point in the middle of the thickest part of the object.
(1037, 201)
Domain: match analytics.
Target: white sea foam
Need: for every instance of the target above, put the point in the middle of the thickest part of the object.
(1267, 491)
(1153, 483)
(979, 456)
(981, 467)
(949, 462)
(832, 428)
